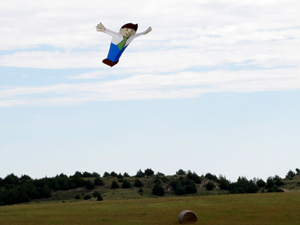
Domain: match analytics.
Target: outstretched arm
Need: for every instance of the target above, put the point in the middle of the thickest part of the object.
(100, 27)
(147, 31)
(143, 33)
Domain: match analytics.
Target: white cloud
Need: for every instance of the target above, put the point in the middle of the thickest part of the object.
(149, 86)
(260, 39)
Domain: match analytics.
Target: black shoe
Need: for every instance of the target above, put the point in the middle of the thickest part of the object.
(108, 62)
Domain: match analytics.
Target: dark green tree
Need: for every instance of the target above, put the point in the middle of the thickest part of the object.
(114, 185)
(160, 174)
(89, 185)
(126, 184)
(210, 186)
(11, 179)
(77, 196)
(114, 174)
(149, 172)
(46, 192)
(98, 181)
(158, 190)
(140, 173)
(191, 188)
(211, 177)
(126, 175)
(290, 175)
(94, 174)
(261, 183)
(78, 180)
(138, 183)
(87, 197)
(194, 176)
(252, 187)
(270, 182)
(96, 193)
(87, 174)
(25, 178)
(99, 197)
(180, 172)
(77, 174)
(106, 174)
(223, 183)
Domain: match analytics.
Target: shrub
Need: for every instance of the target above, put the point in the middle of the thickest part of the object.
(139, 173)
(149, 172)
(180, 189)
(96, 193)
(138, 183)
(252, 187)
(261, 183)
(270, 183)
(223, 183)
(193, 176)
(87, 174)
(211, 177)
(89, 185)
(210, 186)
(106, 174)
(126, 175)
(158, 190)
(86, 197)
(191, 188)
(94, 174)
(160, 174)
(113, 174)
(79, 181)
(290, 175)
(126, 184)
(11, 179)
(114, 184)
(180, 172)
(77, 196)
(98, 181)
(99, 197)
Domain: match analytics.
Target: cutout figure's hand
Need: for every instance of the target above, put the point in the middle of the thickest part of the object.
(148, 30)
(100, 27)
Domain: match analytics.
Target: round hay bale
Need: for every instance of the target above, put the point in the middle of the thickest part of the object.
(187, 217)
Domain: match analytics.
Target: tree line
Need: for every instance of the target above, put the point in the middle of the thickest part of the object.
(14, 189)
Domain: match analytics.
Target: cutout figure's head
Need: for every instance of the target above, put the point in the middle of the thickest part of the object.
(128, 29)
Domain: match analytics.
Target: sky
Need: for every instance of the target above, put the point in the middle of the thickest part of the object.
(214, 88)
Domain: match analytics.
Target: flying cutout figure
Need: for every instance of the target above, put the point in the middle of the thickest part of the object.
(120, 40)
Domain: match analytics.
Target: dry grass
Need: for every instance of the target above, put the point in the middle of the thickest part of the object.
(267, 209)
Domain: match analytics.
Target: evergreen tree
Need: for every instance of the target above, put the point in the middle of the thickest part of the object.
(223, 183)
(89, 185)
(126, 184)
(138, 183)
(140, 173)
(210, 186)
(114, 185)
(158, 190)
(180, 172)
(98, 181)
(261, 183)
(149, 172)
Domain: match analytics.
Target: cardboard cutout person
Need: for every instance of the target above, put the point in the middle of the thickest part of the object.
(120, 40)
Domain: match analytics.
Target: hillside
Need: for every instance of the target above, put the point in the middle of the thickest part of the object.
(112, 186)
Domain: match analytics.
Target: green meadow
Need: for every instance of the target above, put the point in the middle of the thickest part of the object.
(254, 209)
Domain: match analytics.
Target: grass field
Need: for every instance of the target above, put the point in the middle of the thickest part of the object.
(254, 209)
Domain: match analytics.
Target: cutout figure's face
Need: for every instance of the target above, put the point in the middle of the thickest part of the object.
(127, 32)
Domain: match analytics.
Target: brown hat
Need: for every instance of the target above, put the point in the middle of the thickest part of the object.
(130, 26)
